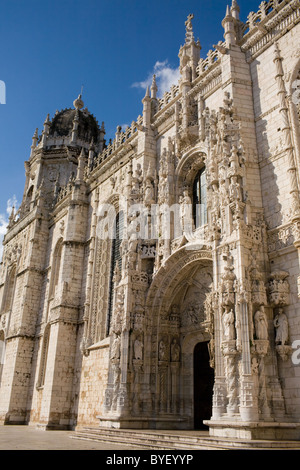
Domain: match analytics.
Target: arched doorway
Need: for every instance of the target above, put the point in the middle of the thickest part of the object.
(203, 385)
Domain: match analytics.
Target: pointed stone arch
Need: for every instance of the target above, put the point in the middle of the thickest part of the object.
(99, 301)
(188, 167)
(173, 268)
(176, 315)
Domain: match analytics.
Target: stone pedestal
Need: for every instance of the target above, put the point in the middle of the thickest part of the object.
(253, 430)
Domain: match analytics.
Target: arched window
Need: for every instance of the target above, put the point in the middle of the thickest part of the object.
(9, 290)
(55, 268)
(44, 355)
(199, 199)
(115, 258)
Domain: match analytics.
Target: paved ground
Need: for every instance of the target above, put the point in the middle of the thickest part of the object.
(30, 438)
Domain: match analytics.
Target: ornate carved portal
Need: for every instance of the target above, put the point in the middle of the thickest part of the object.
(185, 323)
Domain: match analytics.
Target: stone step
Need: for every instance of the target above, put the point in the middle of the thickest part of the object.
(151, 442)
(179, 440)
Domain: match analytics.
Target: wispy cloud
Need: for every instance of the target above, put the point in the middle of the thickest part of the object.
(12, 202)
(166, 76)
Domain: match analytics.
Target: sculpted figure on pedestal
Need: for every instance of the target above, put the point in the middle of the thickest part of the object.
(261, 324)
(282, 327)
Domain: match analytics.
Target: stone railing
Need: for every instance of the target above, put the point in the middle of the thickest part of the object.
(265, 9)
(205, 65)
(122, 137)
(167, 97)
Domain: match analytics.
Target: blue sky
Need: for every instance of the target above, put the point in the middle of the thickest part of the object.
(50, 48)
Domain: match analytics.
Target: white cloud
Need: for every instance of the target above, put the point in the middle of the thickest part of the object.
(166, 76)
(12, 202)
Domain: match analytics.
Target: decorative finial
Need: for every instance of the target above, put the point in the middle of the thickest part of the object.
(189, 35)
(78, 103)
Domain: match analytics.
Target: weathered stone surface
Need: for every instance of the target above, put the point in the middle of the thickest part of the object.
(97, 328)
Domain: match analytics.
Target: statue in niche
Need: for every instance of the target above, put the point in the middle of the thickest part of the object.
(185, 209)
(228, 324)
(261, 324)
(162, 351)
(175, 351)
(281, 325)
(116, 347)
(149, 192)
(235, 189)
(138, 348)
(215, 197)
(234, 159)
(137, 179)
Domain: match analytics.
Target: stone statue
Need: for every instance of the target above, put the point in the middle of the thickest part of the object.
(261, 324)
(162, 356)
(185, 210)
(175, 351)
(115, 349)
(281, 325)
(228, 324)
(138, 349)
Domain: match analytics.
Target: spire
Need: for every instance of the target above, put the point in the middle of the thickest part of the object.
(147, 95)
(189, 54)
(235, 10)
(189, 35)
(154, 87)
(34, 141)
(80, 168)
(46, 130)
(228, 12)
(228, 25)
(11, 217)
(146, 108)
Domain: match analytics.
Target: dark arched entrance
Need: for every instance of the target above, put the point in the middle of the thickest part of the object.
(203, 385)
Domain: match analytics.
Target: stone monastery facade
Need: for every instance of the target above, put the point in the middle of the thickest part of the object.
(153, 281)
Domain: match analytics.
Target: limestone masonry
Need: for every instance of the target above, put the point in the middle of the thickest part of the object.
(153, 281)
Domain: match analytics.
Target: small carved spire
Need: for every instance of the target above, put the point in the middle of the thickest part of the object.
(154, 87)
(235, 10)
(11, 217)
(46, 129)
(34, 140)
(147, 95)
(229, 30)
(80, 168)
(146, 108)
